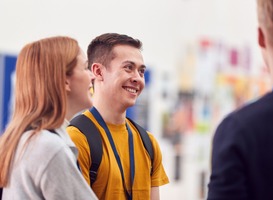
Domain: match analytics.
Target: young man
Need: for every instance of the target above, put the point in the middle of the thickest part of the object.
(242, 158)
(125, 169)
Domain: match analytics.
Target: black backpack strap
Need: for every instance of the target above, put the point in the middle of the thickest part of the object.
(146, 141)
(92, 134)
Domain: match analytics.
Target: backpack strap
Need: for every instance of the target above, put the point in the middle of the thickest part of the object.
(146, 141)
(92, 134)
(88, 128)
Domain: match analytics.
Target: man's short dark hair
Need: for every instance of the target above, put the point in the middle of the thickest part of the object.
(100, 48)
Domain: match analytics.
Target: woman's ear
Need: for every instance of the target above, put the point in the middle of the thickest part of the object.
(261, 38)
(67, 84)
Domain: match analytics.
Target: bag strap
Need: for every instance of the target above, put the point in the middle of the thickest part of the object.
(92, 134)
(89, 129)
(146, 141)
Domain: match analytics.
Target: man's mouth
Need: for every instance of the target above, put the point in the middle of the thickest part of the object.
(130, 90)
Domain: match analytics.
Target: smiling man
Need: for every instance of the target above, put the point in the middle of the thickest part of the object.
(127, 170)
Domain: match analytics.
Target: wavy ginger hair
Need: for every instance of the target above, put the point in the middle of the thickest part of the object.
(40, 94)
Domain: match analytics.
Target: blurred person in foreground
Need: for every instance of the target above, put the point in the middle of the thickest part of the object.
(38, 160)
(242, 154)
(124, 172)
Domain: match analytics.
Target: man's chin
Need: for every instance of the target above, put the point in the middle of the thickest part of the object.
(131, 104)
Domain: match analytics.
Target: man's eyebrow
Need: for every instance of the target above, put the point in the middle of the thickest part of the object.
(143, 66)
(133, 63)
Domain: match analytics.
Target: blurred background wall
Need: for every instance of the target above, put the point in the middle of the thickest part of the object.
(203, 62)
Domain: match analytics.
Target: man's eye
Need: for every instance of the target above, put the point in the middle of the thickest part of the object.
(142, 71)
(129, 67)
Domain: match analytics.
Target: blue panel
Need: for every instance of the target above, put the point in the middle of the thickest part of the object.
(1, 90)
(147, 77)
(9, 67)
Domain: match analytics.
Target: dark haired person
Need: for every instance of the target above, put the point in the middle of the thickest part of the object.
(125, 169)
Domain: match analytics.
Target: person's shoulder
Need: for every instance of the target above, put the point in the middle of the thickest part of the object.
(257, 109)
(253, 114)
(77, 136)
(151, 135)
(75, 132)
(44, 144)
(154, 139)
(50, 140)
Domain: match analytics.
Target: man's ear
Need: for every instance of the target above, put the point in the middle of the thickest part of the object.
(97, 70)
(261, 38)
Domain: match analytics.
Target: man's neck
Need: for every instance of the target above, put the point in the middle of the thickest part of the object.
(111, 115)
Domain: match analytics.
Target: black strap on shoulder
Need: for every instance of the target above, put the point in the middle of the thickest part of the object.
(146, 141)
(92, 134)
(88, 128)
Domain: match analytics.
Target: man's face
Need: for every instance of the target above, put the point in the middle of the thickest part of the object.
(124, 77)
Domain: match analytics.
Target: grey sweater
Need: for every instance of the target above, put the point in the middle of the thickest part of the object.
(46, 169)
